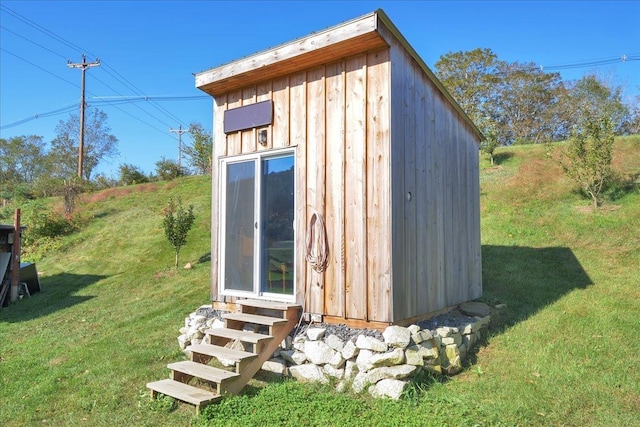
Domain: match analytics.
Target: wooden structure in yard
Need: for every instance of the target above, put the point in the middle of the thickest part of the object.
(16, 278)
(345, 184)
(344, 137)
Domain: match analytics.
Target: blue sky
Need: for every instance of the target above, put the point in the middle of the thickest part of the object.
(152, 48)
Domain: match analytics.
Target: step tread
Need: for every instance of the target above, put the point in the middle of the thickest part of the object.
(271, 305)
(185, 392)
(254, 318)
(223, 352)
(235, 334)
(203, 371)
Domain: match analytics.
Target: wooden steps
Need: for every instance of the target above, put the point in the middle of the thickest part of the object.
(279, 318)
(203, 353)
(253, 319)
(200, 370)
(234, 334)
(268, 305)
(221, 336)
(184, 392)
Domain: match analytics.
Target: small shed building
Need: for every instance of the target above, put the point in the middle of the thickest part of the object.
(345, 179)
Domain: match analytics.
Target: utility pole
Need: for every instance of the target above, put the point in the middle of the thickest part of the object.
(179, 131)
(83, 67)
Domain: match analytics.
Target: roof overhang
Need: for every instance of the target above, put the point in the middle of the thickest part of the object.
(346, 39)
(332, 44)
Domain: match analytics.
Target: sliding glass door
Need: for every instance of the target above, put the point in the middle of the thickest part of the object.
(257, 218)
(239, 230)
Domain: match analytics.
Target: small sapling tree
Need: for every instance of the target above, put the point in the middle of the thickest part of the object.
(177, 222)
(587, 156)
(489, 144)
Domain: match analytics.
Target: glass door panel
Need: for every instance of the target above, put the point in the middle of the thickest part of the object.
(277, 210)
(239, 226)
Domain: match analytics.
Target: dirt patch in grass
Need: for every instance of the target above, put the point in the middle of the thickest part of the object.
(493, 169)
(589, 209)
(536, 178)
(117, 192)
(165, 273)
(169, 185)
(57, 361)
(625, 155)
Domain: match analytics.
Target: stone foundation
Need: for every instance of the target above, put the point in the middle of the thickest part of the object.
(364, 362)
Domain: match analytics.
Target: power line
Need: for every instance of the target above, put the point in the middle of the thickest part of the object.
(140, 108)
(42, 29)
(153, 98)
(532, 67)
(79, 49)
(112, 101)
(36, 116)
(126, 82)
(33, 42)
(39, 67)
(593, 63)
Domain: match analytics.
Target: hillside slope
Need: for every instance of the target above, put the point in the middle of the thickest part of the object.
(564, 350)
(81, 351)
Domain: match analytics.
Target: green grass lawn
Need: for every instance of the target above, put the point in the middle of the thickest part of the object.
(564, 351)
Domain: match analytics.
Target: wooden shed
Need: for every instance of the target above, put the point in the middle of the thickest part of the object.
(345, 179)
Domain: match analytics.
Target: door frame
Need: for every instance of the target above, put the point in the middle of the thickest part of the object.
(257, 157)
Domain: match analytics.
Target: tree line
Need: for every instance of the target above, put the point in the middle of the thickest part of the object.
(520, 103)
(32, 168)
(510, 102)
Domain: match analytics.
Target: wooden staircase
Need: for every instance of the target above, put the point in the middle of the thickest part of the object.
(260, 326)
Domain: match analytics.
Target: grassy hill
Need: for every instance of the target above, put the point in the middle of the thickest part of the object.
(564, 350)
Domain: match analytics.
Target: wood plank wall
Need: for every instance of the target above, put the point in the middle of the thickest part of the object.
(435, 196)
(337, 117)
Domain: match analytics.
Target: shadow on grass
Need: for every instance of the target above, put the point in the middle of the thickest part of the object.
(104, 213)
(528, 279)
(499, 158)
(205, 258)
(57, 294)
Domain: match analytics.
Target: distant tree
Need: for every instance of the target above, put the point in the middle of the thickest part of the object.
(101, 181)
(592, 96)
(99, 143)
(177, 222)
(47, 186)
(525, 106)
(632, 126)
(167, 169)
(471, 79)
(131, 174)
(518, 102)
(586, 158)
(23, 160)
(199, 154)
(22, 157)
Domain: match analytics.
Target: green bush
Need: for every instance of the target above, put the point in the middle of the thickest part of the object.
(169, 169)
(44, 228)
(131, 174)
(102, 181)
(50, 224)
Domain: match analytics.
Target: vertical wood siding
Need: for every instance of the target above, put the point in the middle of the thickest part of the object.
(335, 289)
(378, 187)
(355, 187)
(315, 165)
(436, 231)
(338, 118)
(394, 170)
